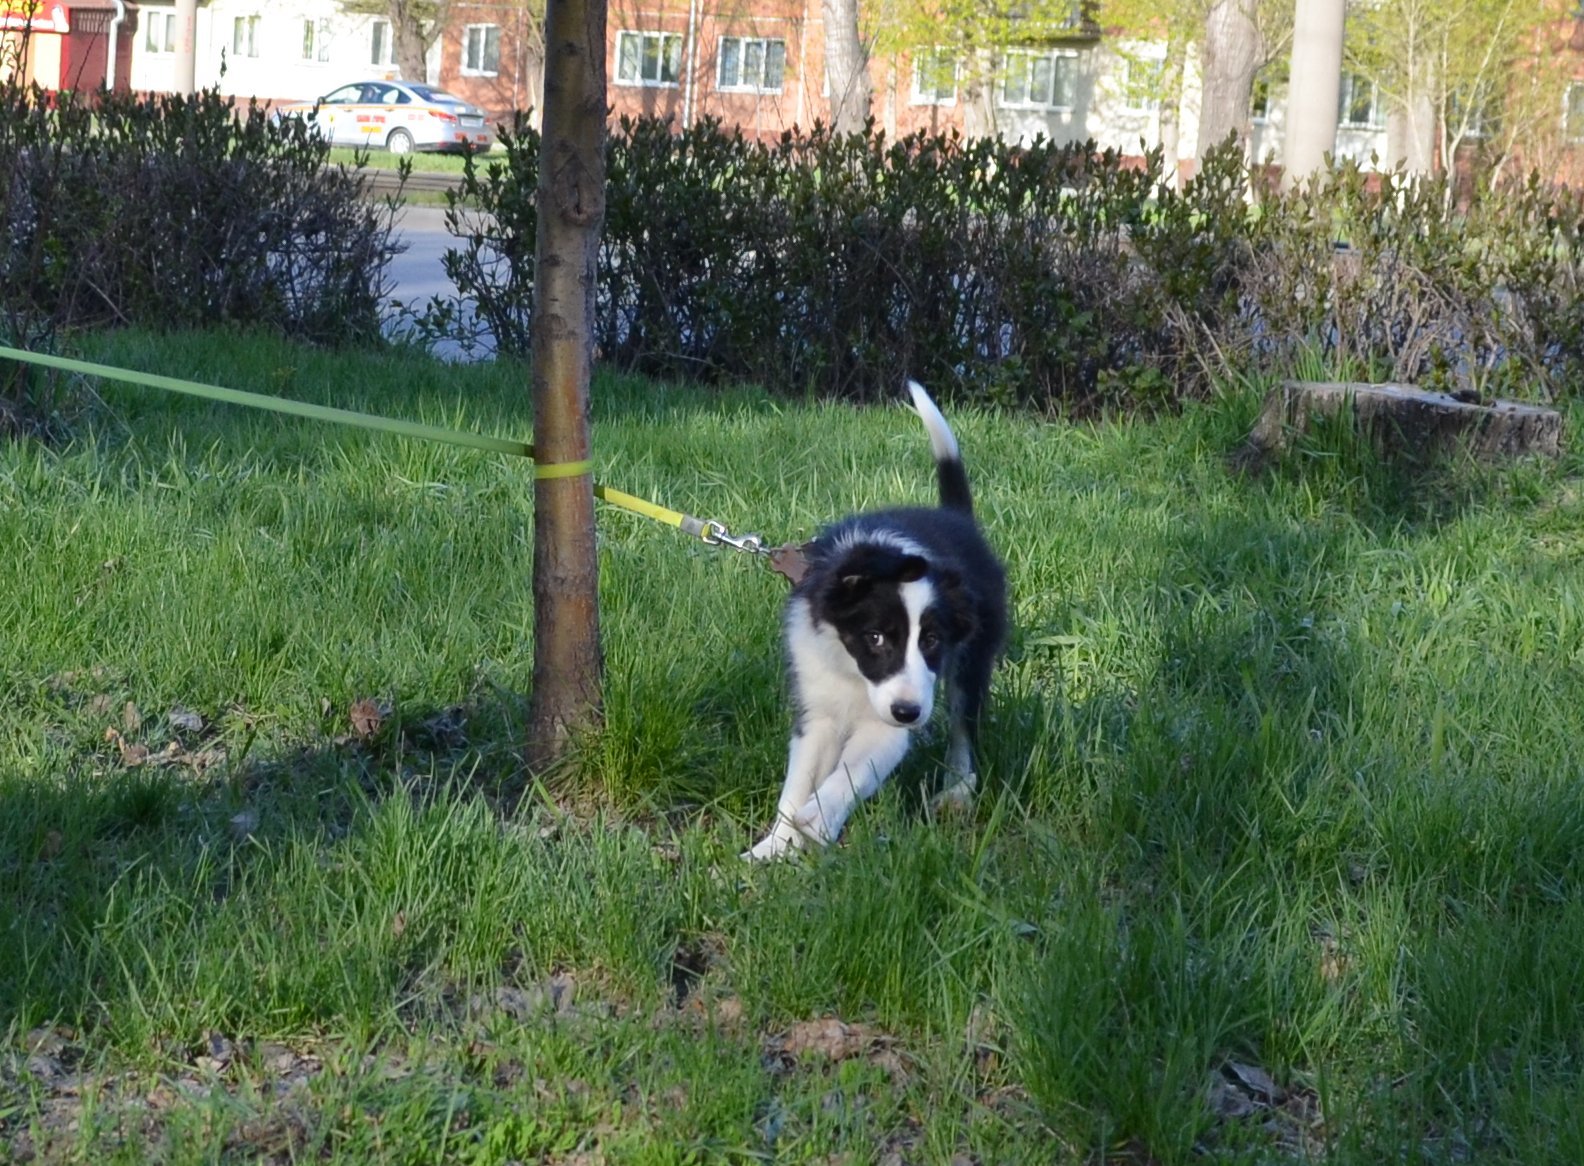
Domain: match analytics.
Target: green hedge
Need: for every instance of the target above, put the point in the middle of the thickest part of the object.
(178, 212)
(1055, 276)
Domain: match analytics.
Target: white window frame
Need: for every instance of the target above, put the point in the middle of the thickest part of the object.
(475, 47)
(1030, 57)
(164, 20)
(749, 86)
(381, 36)
(1140, 96)
(661, 39)
(1377, 115)
(245, 36)
(1573, 113)
(316, 40)
(926, 62)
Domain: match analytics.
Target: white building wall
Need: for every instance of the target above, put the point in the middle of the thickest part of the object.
(280, 70)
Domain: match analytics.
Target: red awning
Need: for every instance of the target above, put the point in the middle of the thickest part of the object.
(33, 16)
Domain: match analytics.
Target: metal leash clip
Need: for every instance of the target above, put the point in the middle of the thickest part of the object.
(716, 534)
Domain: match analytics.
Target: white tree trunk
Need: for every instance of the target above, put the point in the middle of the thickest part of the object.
(846, 67)
(1315, 86)
(1232, 54)
(1171, 112)
(186, 78)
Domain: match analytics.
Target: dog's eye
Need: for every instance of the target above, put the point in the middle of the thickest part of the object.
(875, 639)
(927, 641)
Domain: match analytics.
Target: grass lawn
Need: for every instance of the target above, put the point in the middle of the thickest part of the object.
(1279, 859)
(424, 162)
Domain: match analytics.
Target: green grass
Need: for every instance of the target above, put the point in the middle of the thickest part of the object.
(380, 158)
(1282, 778)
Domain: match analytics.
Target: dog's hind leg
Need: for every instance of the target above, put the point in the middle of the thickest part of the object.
(814, 749)
(866, 761)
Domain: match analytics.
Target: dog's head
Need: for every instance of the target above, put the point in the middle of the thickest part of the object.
(898, 619)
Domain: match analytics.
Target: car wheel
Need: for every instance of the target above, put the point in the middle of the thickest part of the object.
(399, 142)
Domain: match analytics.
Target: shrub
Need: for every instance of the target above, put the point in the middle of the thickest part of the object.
(175, 211)
(1385, 276)
(1050, 276)
(839, 264)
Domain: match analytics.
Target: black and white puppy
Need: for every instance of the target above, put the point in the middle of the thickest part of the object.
(891, 601)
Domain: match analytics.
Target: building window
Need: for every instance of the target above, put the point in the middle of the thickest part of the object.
(159, 34)
(1360, 105)
(934, 77)
(1040, 80)
(481, 50)
(1573, 113)
(752, 65)
(382, 49)
(1473, 119)
(1141, 82)
(244, 36)
(648, 58)
(316, 40)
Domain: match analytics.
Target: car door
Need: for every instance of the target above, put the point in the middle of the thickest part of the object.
(337, 116)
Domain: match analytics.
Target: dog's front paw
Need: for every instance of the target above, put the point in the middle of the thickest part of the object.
(813, 825)
(772, 846)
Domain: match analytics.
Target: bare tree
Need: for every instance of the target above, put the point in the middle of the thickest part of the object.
(567, 663)
(1478, 78)
(1313, 89)
(846, 67)
(1233, 52)
(415, 25)
(1188, 28)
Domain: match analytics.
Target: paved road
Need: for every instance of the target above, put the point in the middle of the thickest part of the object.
(418, 273)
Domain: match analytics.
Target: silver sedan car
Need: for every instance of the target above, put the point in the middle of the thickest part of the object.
(401, 116)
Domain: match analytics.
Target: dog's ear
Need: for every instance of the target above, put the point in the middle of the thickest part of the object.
(855, 575)
(956, 607)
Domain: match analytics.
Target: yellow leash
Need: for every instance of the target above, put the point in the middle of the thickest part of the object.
(707, 530)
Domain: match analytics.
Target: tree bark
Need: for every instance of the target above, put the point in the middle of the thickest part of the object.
(1171, 111)
(186, 74)
(1314, 89)
(571, 202)
(1232, 54)
(1404, 421)
(846, 67)
(410, 45)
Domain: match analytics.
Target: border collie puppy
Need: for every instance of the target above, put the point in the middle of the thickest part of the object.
(891, 601)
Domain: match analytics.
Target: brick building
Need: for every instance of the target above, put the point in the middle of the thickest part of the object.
(66, 44)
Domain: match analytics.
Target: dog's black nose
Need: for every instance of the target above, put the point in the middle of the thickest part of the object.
(905, 712)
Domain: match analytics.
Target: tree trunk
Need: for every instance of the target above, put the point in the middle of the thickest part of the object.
(1232, 54)
(186, 73)
(846, 67)
(978, 95)
(567, 662)
(1314, 90)
(1403, 421)
(410, 47)
(1171, 111)
(1411, 129)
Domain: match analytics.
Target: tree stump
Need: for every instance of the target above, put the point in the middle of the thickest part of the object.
(1404, 420)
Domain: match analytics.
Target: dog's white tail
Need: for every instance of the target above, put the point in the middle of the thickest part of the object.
(949, 472)
(943, 443)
